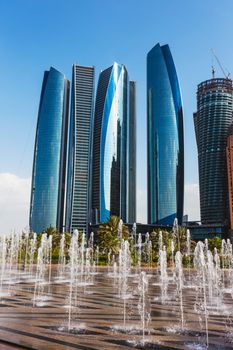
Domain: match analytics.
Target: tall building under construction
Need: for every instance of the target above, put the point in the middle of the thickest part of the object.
(212, 121)
(229, 154)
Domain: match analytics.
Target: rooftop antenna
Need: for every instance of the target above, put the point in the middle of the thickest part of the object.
(212, 66)
(226, 75)
(213, 72)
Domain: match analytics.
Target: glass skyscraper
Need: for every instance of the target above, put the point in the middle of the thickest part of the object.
(48, 175)
(78, 194)
(229, 154)
(132, 137)
(212, 121)
(165, 139)
(109, 171)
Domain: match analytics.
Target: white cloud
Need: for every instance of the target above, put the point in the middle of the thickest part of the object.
(14, 202)
(192, 202)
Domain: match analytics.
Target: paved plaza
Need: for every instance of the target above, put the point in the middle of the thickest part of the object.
(97, 318)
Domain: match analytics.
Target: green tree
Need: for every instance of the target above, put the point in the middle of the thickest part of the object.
(107, 235)
(179, 238)
(215, 242)
(55, 241)
(154, 237)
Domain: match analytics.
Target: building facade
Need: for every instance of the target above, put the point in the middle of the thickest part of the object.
(229, 154)
(212, 121)
(109, 171)
(132, 152)
(49, 164)
(78, 194)
(165, 139)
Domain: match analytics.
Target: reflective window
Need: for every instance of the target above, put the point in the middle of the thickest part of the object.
(165, 139)
(49, 156)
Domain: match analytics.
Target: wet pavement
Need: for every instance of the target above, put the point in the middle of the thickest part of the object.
(97, 317)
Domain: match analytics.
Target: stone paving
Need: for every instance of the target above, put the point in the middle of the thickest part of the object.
(97, 321)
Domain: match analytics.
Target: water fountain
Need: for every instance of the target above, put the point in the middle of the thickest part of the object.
(26, 245)
(11, 257)
(32, 252)
(179, 284)
(160, 240)
(120, 226)
(115, 272)
(97, 255)
(188, 246)
(206, 247)
(134, 238)
(209, 299)
(219, 279)
(49, 247)
(149, 254)
(62, 258)
(229, 253)
(173, 259)
(91, 246)
(109, 259)
(211, 278)
(139, 246)
(143, 303)
(163, 273)
(42, 261)
(201, 295)
(88, 275)
(73, 257)
(3, 255)
(124, 270)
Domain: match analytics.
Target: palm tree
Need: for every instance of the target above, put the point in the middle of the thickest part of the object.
(107, 235)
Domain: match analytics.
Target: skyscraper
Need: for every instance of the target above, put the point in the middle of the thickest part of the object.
(165, 139)
(229, 153)
(132, 198)
(212, 121)
(109, 184)
(48, 175)
(79, 153)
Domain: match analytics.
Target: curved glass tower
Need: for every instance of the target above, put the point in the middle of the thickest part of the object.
(109, 173)
(48, 175)
(165, 139)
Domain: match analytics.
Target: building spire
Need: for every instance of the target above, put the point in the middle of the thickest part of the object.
(213, 72)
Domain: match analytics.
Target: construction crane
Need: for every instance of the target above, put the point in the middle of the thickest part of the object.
(226, 75)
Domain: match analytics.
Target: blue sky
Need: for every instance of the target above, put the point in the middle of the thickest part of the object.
(35, 35)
